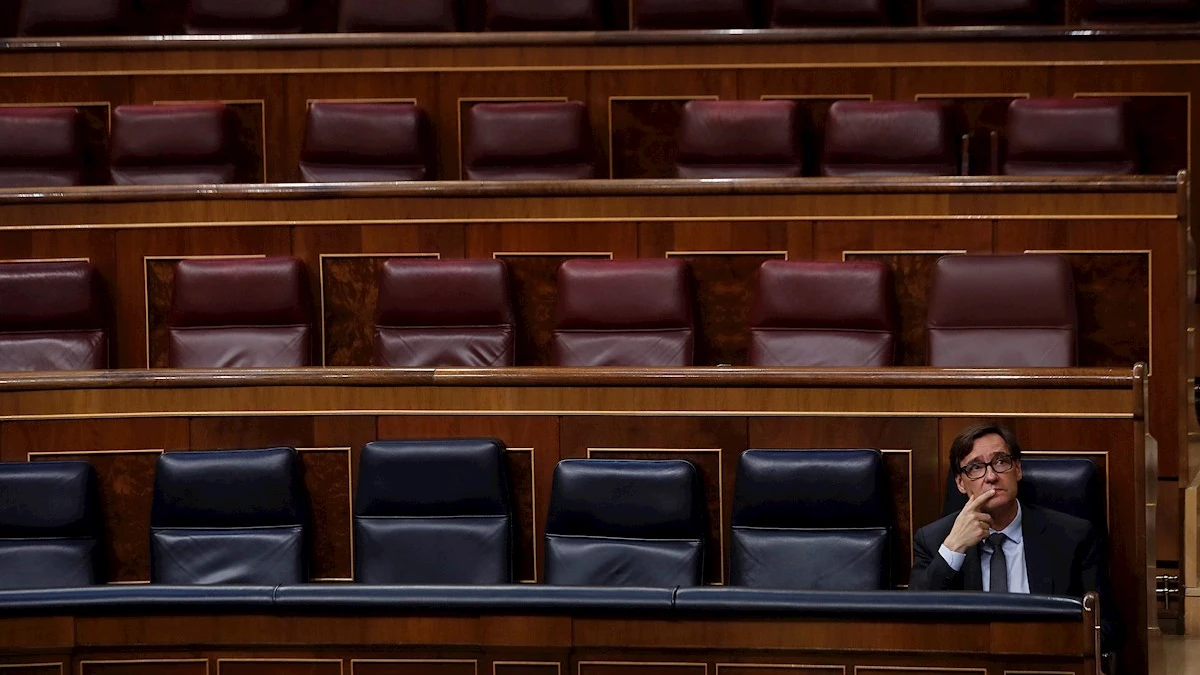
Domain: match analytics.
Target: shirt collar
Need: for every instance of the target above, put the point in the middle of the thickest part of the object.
(1013, 531)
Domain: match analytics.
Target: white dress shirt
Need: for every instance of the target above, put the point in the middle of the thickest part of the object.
(1014, 555)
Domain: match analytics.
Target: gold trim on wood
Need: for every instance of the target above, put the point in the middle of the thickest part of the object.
(308, 102)
(341, 665)
(921, 97)
(961, 251)
(789, 666)
(671, 254)
(557, 254)
(139, 451)
(473, 662)
(207, 668)
(817, 97)
(61, 669)
(922, 669)
(43, 260)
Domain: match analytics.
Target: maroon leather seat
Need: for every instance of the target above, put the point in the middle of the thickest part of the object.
(444, 313)
(518, 15)
(889, 138)
(172, 144)
(366, 142)
(823, 314)
(800, 13)
(41, 147)
(215, 17)
(1069, 136)
(692, 14)
(739, 139)
(72, 17)
(382, 16)
(623, 313)
(980, 12)
(53, 316)
(528, 141)
(240, 313)
(1002, 311)
(1141, 11)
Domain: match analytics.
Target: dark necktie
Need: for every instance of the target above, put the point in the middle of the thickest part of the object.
(999, 573)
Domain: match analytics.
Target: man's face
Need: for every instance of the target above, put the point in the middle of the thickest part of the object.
(987, 449)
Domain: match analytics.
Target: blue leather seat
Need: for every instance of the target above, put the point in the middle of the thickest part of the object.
(433, 512)
(626, 523)
(810, 520)
(50, 525)
(228, 517)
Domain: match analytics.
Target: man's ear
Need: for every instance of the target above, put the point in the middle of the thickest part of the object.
(958, 480)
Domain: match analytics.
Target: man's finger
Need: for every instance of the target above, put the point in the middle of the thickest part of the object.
(978, 500)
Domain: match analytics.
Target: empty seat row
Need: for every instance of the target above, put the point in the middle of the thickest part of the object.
(349, 141)
(440, 512)
(87, 17)
(1013, 311)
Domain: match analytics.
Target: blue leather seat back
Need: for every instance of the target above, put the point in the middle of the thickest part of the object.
(626, 523)
(50, 525)
(810, 519)
(433, 512)
(1071, 485)
(228, 517)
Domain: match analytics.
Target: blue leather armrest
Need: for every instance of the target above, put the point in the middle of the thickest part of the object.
(507, 598)
(149, 599)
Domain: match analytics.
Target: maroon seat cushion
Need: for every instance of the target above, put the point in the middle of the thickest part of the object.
(366, 142)
(739, 139)
(980, 12)
(823, 314)
(528, 141)
(797, 13)
(172, 144)
(1069, 136)
(247, 313)
(53, 316)
(1002, 311)
(214, 17)
(623, 313)
(518, 15)
(398, 16)
(692, 14)
(41, 147)
(72, 17)
(889, 138)
(444, 313)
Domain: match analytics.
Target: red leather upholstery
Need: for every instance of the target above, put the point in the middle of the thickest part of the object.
(366, 142)
(1147, 11)
(53, 316)
(398, 16)
(823, 314)
(623, 313)
(528, 141)
(980, 12)
(800, 13)
(739, 139)
(172, 144)
(72, 17)
(212, 17)
(692, 14)
(517, 15)
(1002, 311)
(444, 313)
(889, 138)
(1074, 136)
(41, 147)
(240, 313)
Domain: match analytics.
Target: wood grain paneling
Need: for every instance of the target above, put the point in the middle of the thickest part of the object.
(261, 666)
(414, 667)
(145, 667)
(526, 668)
(640, 668)
(33, 669)
(326, 474)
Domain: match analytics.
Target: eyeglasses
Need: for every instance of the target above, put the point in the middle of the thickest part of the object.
(999, 464)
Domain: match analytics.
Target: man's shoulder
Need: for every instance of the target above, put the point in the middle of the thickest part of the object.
(1062, 522)
(941, 526)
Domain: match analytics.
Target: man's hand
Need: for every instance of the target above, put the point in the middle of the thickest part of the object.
(972, 524)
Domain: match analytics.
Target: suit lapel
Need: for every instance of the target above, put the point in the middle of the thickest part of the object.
(1038, 563)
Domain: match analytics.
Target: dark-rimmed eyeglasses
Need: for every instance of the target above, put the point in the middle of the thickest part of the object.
(999, 464)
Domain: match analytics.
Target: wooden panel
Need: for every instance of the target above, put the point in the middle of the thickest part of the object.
(414, 667)
(145, 667)
(525, 668)
(777, 669)
(921, 670)
(279, 667)
(33, 669)
(640, 668)
(326, 474)
(643, 136)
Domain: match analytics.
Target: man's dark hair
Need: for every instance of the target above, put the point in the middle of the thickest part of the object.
(961, 447)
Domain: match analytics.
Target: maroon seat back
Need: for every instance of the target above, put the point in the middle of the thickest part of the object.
(366, 142)
(739, 139)
(444, 313)
(172, 144)
(215, 17)
(528, 141)
(823, 314)
(800, 13)
(72, 17)
(518, 15)
(1002, 311)
(240, 313)
(692, 14)
(623, 313)
(889, 138)
(53, 316)
(1141, 11)
(380, 16)
(41, 147)
(980, 12)
(1069, 136)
